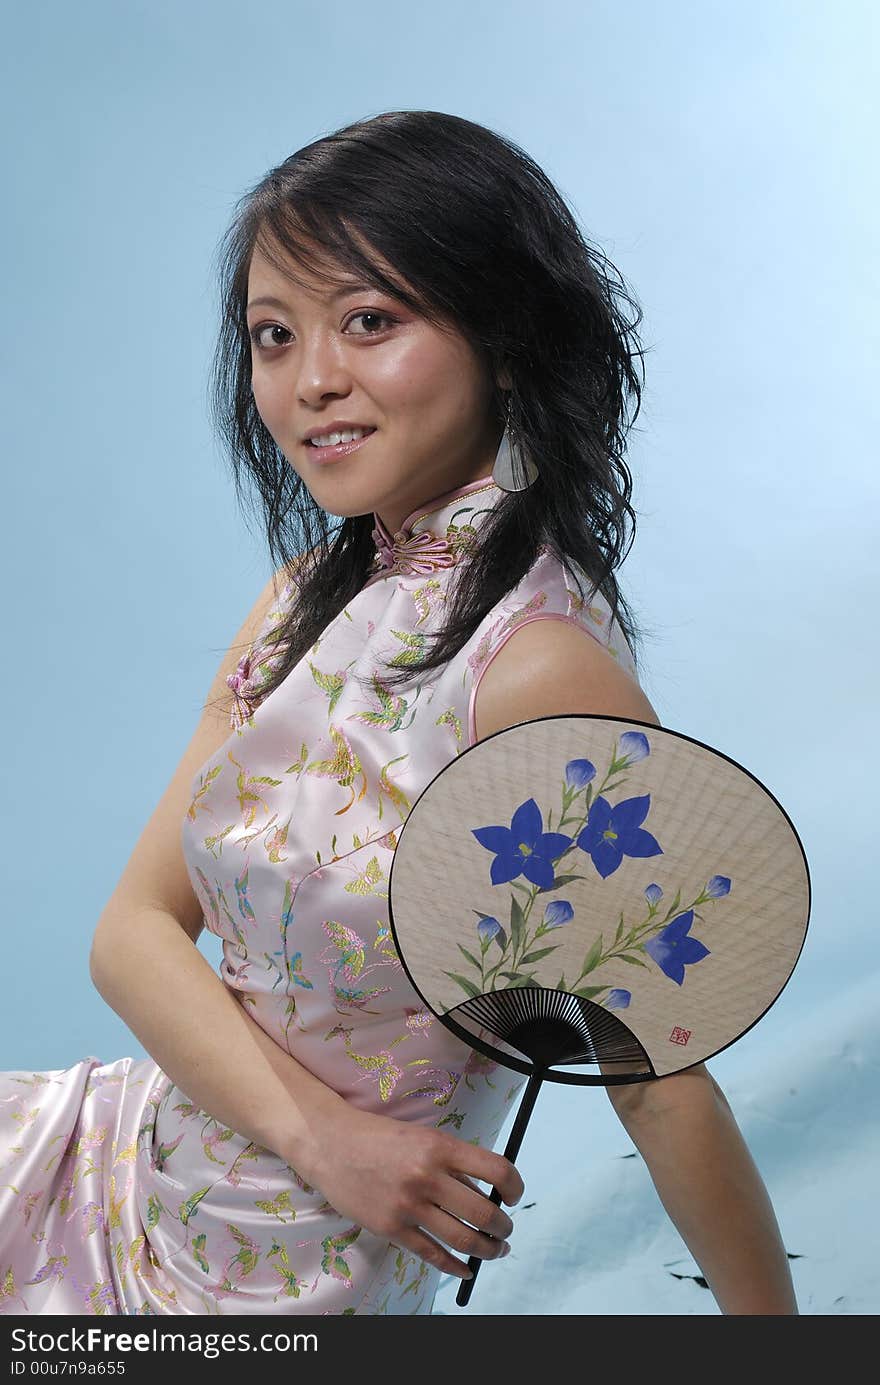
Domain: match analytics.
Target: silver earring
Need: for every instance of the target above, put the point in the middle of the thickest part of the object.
(514, 468)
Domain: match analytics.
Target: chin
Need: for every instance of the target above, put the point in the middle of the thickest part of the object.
(342, 509)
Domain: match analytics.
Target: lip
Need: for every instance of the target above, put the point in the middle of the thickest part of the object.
(333, 454)
(338, 425)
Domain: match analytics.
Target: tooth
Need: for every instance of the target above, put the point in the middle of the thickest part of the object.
(333, 439)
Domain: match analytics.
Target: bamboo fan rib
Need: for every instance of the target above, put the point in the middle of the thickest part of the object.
(552, 1027)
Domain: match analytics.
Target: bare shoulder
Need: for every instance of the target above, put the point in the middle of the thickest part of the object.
(553, 667)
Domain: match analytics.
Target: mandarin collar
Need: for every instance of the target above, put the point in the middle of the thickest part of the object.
(434, 535)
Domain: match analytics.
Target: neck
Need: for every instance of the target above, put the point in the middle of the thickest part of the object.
(395, 521)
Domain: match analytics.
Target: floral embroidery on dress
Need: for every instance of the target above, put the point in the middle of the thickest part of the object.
(259, 661)
(253, 670)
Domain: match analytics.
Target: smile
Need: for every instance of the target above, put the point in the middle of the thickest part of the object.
(334, 452)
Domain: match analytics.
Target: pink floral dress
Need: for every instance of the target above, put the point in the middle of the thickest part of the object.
(117, 1193)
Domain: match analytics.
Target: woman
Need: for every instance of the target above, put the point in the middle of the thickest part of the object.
(415, 339)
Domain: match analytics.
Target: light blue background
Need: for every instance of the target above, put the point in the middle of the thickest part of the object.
(723, 156)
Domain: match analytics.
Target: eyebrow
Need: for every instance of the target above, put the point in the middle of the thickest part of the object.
(269, 302)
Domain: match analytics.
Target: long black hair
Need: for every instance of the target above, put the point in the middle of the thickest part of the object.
(480, 238)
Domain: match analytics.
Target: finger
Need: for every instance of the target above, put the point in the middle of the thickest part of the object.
(460, 1235)
(433, 1253)
(471, 1205)
(466, 1180)
(492, 1168)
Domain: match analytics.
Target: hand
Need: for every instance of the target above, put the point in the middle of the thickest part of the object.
(411, 1183)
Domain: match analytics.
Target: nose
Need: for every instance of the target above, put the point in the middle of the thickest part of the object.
(321, 369)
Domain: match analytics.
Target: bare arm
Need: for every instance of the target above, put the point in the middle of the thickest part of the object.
(706, 1179)
(681, 1124)
(157, 980)
(398, 1179)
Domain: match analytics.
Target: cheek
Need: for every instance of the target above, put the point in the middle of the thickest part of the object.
(398, 379)
(422, 382)
(266, 399)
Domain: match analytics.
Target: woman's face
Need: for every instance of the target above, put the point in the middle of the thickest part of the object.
(321, 357)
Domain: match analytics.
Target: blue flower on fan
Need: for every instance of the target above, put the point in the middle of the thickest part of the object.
(612, 833)
(673, 949)
(633, 745)
(489, 928)
(578, 773)
(523, 848)
(618, 999)
(556, 914)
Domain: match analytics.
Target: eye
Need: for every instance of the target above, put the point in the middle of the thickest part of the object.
(376, 317)
(257, 332)
(263, 344)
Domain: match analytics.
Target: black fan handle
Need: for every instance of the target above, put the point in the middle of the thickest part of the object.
(511, 1151)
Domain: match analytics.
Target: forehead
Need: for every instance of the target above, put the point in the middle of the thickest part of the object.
(289, 279)
(273, 268)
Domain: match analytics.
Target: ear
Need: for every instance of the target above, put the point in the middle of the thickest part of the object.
(502, 378)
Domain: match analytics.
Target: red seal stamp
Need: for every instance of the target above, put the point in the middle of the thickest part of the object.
(679, 1036)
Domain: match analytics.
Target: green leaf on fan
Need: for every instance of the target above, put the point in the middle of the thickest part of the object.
(587, 992)
(516, 923)
(466, 986)
(470, 956)
(633, 961)
(592, 956)
(541, 952)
